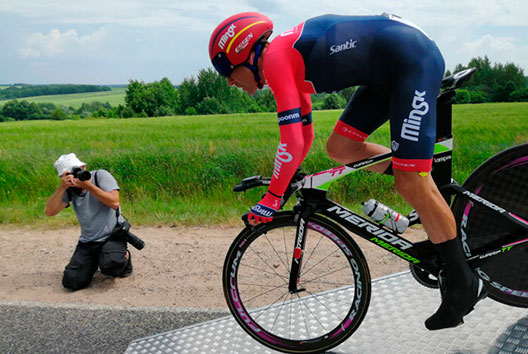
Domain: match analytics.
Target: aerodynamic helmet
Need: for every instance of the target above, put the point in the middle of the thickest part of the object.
(233, 40)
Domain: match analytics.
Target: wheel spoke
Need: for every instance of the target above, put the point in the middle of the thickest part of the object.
(263, 261)
(326, 258)
(307, 261)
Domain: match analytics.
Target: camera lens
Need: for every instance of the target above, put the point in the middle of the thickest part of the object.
(84, 176)
(134, 240)
(81, 174)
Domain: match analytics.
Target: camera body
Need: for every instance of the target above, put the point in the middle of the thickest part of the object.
(122, 231)
(81, 174)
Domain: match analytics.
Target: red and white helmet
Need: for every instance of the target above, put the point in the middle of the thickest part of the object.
(233, 39)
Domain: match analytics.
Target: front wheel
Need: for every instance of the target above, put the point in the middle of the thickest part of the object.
(502, 180)
(333, 288)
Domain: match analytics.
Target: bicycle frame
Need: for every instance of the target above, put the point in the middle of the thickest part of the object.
(313, 189)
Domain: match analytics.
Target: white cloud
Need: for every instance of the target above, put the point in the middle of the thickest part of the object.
(169, 38)
(188, 14)
(499, 49)
(494, 43)
(67, 43)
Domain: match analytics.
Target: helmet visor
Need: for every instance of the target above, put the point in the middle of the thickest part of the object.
(223, 65)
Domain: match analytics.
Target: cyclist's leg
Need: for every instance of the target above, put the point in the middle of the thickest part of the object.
(365, 112)
(414, 90)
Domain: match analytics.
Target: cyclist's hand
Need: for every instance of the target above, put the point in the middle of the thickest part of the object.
(264, 210)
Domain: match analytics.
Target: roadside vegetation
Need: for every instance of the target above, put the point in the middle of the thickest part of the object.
(180, 170)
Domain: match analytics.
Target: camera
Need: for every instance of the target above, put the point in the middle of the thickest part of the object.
(122, 231)
(81, 174)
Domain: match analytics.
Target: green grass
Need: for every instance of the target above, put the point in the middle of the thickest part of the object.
(180, 170)
(75, 100)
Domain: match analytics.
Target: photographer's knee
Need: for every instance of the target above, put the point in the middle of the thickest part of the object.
(75, 279)
(113, 265)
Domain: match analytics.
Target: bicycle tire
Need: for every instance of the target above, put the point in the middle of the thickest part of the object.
(503, 180)
(255, 280)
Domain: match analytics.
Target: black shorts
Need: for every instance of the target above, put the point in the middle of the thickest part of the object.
(405, 92)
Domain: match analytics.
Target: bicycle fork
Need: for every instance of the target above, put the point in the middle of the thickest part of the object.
(298, 252)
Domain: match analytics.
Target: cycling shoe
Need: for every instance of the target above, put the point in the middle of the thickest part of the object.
(456, 303)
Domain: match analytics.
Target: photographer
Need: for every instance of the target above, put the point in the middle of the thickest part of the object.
(95, 199)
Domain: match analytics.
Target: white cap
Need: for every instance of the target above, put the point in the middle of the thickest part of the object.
(67, 162)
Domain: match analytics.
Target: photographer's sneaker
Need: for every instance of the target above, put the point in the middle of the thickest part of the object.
(128, 270)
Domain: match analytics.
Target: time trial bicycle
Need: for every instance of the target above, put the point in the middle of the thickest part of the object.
(301, 284)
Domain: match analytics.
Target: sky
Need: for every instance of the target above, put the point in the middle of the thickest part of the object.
(113, 41)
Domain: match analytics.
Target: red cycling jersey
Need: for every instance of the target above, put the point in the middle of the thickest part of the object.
(398, 70)
(285, 73)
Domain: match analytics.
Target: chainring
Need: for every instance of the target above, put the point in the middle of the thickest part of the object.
(423, 277)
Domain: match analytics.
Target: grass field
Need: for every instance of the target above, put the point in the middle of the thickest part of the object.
(180, 170)
(75, 100)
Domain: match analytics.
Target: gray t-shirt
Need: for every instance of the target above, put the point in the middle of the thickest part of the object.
(96, 219)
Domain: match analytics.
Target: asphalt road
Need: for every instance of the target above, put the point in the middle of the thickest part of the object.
(43, 328)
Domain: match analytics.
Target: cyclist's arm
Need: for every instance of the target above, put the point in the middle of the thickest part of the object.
(292, 107)
(308, 132)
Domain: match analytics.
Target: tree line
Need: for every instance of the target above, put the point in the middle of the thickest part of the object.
(24, 90)
(208, 93)
(492, 83)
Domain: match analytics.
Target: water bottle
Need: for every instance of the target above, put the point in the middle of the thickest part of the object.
(382, 214)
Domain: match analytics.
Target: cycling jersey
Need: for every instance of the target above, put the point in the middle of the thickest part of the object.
(399, 71)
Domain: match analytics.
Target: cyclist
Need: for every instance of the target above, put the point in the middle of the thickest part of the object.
(399, 70)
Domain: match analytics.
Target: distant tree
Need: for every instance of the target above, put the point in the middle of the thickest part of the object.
(266, 100)
(126, 112)
(58, 114)
(46, 108)
(5, 119)
(19, 110)
(347, 93)
(497, 81)
(190, 111)
(88, 109)
(155, 98)
(23, 90)
(333, 101)
(467, 96)
(134, 95)
(209, 105)
(189, 94)
(520, 95)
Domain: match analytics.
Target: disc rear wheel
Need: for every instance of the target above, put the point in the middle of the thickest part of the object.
(502, 180)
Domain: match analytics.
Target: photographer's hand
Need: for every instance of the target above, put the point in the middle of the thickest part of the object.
(77, 183)
(66, 180)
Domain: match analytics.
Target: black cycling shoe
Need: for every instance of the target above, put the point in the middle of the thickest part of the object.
(456, 303)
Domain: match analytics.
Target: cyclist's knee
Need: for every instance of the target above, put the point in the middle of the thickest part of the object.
(343, 149)
(410, 184)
